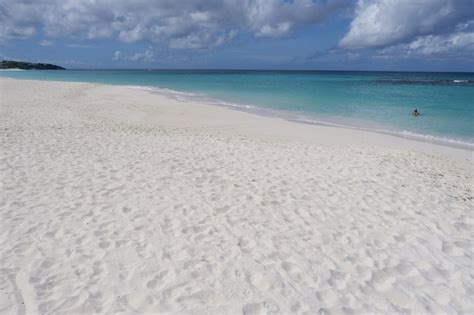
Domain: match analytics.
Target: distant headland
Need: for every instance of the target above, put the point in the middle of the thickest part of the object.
(10, 64)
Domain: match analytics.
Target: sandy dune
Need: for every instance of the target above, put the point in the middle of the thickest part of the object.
(117, 200)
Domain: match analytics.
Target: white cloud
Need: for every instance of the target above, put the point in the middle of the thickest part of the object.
(275, 18)
(45, 43)
(430, 45)
(202, 41)
(146, 56)
(118, 55)
(132, 35)
(453, 44)
(78, 46)
(278, 30)
(412, 28)
(183, 24)
(379, 23)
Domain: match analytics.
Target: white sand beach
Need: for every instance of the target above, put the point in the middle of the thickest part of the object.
(117, 200)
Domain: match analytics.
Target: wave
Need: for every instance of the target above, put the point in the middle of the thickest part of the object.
(165, 91)
(456, 143)
(306, 118)
(190, 96)
(427, 81)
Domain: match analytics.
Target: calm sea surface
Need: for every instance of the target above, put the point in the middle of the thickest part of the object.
(377, 101)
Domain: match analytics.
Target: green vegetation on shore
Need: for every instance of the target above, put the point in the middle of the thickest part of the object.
(10, 64)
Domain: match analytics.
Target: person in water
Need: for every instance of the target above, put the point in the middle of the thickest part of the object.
(415, 112)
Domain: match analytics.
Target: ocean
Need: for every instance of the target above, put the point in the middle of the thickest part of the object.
(375, 101)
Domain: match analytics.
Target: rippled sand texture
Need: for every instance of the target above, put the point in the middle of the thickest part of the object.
(104, 209)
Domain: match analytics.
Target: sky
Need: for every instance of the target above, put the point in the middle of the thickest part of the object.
(405, 35)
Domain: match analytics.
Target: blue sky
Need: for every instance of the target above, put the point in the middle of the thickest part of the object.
(428, 35)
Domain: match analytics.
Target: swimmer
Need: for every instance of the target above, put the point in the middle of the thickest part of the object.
(415, 112)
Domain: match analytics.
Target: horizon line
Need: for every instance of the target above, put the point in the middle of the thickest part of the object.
(256, 69)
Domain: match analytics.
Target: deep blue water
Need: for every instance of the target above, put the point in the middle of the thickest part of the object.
(379, 101)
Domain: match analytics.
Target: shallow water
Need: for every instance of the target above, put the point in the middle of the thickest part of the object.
(379, 101)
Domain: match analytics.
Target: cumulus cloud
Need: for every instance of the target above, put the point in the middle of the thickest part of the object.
(412, 28)
(386, 22)
(184, 24)
(457, 44)
(439, 44)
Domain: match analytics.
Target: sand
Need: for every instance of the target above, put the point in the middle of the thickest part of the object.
(115, 200)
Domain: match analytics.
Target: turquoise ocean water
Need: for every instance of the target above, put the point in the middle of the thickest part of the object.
(377, 101)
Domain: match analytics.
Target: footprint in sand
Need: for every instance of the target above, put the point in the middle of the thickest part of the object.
(294, 272)
(246, 244)
(260, 308)
(382, 281)
(337, 280)
(259, 281)
(328, 298)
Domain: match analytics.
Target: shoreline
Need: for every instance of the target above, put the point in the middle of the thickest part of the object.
(13, 69)
(426, 145)
(306, 118)
(362, 136)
